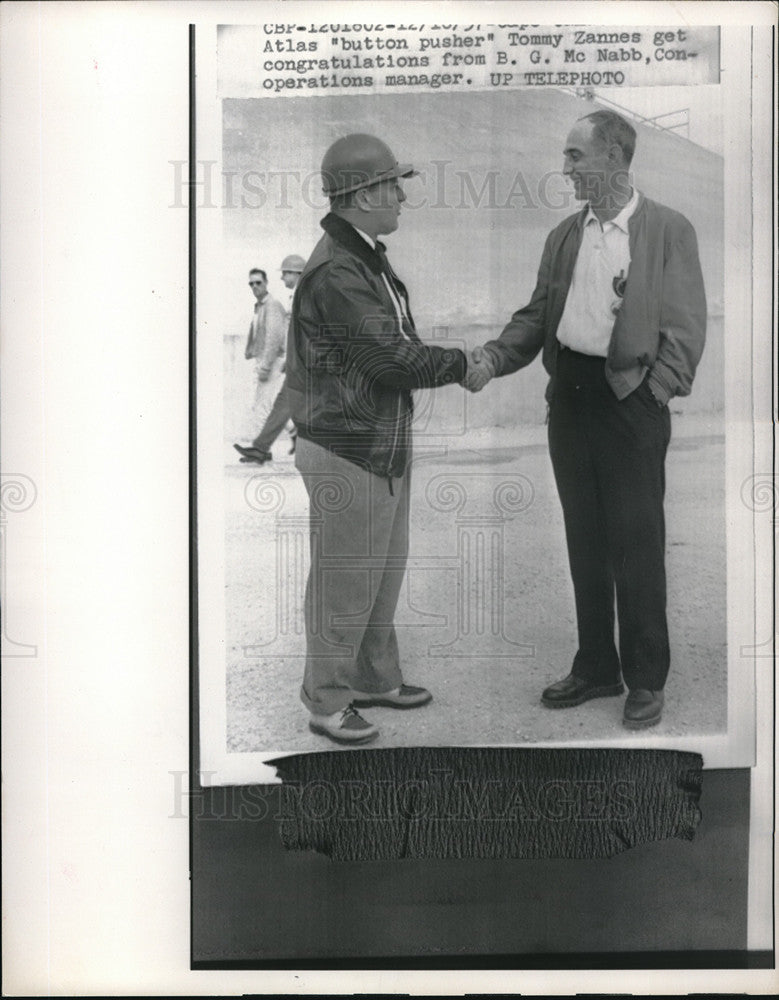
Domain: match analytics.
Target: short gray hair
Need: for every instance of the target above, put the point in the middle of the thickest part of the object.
(612, 129)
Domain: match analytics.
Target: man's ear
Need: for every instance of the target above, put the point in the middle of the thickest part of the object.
(361, 200)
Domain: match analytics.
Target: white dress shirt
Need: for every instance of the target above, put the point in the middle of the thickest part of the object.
(598, 283)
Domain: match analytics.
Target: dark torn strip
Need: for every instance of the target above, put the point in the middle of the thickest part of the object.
(446, 802)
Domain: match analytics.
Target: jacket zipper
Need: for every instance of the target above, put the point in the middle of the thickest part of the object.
(400, 312)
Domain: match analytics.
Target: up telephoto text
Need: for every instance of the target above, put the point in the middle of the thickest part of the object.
(364, 48)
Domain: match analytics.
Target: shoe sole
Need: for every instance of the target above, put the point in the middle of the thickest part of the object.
(387, 703)
(641, 723)
(349, 740)
(611, 691)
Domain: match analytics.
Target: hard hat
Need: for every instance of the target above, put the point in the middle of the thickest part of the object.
(293, 263)
(358, 161)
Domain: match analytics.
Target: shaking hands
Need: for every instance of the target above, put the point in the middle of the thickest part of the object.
(481, 369)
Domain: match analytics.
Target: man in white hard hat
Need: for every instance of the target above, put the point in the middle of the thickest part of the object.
(353, 360)
(258, 452)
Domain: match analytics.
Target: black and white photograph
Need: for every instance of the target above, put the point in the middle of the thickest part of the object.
(447, 505)
(388, 503)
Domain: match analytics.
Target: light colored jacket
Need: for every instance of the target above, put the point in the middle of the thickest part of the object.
(267, 333)
(661, 325)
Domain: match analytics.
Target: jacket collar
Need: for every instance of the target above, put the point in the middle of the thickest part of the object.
(345, 234)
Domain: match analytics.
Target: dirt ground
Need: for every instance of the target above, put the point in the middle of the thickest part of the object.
(486, 617)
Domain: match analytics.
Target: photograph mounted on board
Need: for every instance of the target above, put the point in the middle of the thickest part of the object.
(470, 468)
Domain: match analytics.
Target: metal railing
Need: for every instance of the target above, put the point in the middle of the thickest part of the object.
(654, 122)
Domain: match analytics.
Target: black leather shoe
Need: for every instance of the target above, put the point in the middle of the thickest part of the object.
(252, 454)
(643, 709)
(572, 691)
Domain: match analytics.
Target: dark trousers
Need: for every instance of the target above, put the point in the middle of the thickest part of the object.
(608, 457)
(276, 421)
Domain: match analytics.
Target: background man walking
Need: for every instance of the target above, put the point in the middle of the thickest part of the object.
(265, 344)
(259, 451)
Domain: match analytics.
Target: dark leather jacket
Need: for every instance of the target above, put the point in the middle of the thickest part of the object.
(353, 359)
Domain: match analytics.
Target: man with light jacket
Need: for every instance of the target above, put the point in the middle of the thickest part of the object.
(265, 344)
(353, 361)
(619, 311)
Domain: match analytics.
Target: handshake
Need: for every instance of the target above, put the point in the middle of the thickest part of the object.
(481, 368)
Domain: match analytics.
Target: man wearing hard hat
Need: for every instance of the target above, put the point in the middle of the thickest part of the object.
(353, 360)
(291, 269)
(258, 452)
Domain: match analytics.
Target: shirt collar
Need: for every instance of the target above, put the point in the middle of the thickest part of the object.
(368, 239)
(346, 235)
(621, 220)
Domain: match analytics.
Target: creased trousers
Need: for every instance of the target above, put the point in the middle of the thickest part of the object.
(359, 549)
